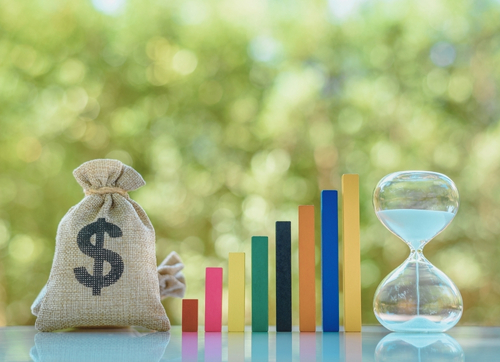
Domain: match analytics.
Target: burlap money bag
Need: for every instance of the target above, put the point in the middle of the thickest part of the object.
(104, 269)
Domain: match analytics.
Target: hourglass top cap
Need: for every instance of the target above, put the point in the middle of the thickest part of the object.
(425, 190)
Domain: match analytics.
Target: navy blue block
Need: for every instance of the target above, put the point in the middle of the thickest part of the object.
(283, 276)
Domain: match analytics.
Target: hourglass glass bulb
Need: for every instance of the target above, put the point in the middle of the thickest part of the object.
(416, 296)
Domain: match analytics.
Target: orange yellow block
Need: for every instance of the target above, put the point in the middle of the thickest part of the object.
(352, 263)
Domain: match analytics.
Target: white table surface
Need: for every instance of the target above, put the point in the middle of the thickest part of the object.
(134, 344)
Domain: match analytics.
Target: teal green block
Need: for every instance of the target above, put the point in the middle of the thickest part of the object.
(260, 266)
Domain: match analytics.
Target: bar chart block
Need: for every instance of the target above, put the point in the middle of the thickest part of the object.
(236, 293)
(190, 315)
(260, 287)
(307, 274)
(330, 260)
(213, 299)
(283, 276)
(352, 263)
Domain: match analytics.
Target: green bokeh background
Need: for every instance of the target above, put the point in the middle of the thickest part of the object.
(235, 113)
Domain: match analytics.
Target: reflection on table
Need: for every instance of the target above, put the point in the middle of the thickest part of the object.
(99, 346)
(129, 344)
(417, 347)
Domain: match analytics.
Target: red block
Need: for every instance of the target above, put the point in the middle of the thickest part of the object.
(190, 315)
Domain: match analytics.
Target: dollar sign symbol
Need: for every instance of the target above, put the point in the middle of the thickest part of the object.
(97, 251)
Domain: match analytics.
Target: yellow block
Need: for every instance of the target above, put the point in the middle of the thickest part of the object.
(236, 293)
(351, 263)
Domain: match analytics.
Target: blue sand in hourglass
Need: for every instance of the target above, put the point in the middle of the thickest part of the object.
(415, 227)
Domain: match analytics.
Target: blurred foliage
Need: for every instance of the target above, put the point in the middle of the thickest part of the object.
(235, 113)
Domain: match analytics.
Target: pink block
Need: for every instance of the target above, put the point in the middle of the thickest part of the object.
(213, 300)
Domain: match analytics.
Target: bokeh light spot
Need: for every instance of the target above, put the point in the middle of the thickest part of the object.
(72, 71)
(244, 109)
(437, 81)
(210, 92)
(446, 155)
(321, 133)
(76, 130)
(109, 7)
(296, 189)
(264, 48)
(225, 244)
(4, 233)
(8, 189)
(192, 245)
(23, 56)
(52, 159)
(255, 207)
(126, 121)
(96, 136)
(462, 267)
(17, 312)
(350, 121)
(223, 220)
(443, 54)
(29, 149)
(460, 87)
(194, 12)
(370, 273)
(122, 156)
(76, 99)
(385, 155)
(278, 161)
(22, 248)
(326, 157)
(184, 62)
(342, 9)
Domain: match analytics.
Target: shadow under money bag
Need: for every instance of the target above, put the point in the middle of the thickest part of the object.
(91, 345)
(401, 347)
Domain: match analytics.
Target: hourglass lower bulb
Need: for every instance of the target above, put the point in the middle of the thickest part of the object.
(416, 296)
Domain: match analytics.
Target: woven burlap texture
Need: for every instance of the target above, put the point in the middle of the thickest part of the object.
(134, 299)
(172, 281)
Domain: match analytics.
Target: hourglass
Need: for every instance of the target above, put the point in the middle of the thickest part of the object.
(416, 296)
